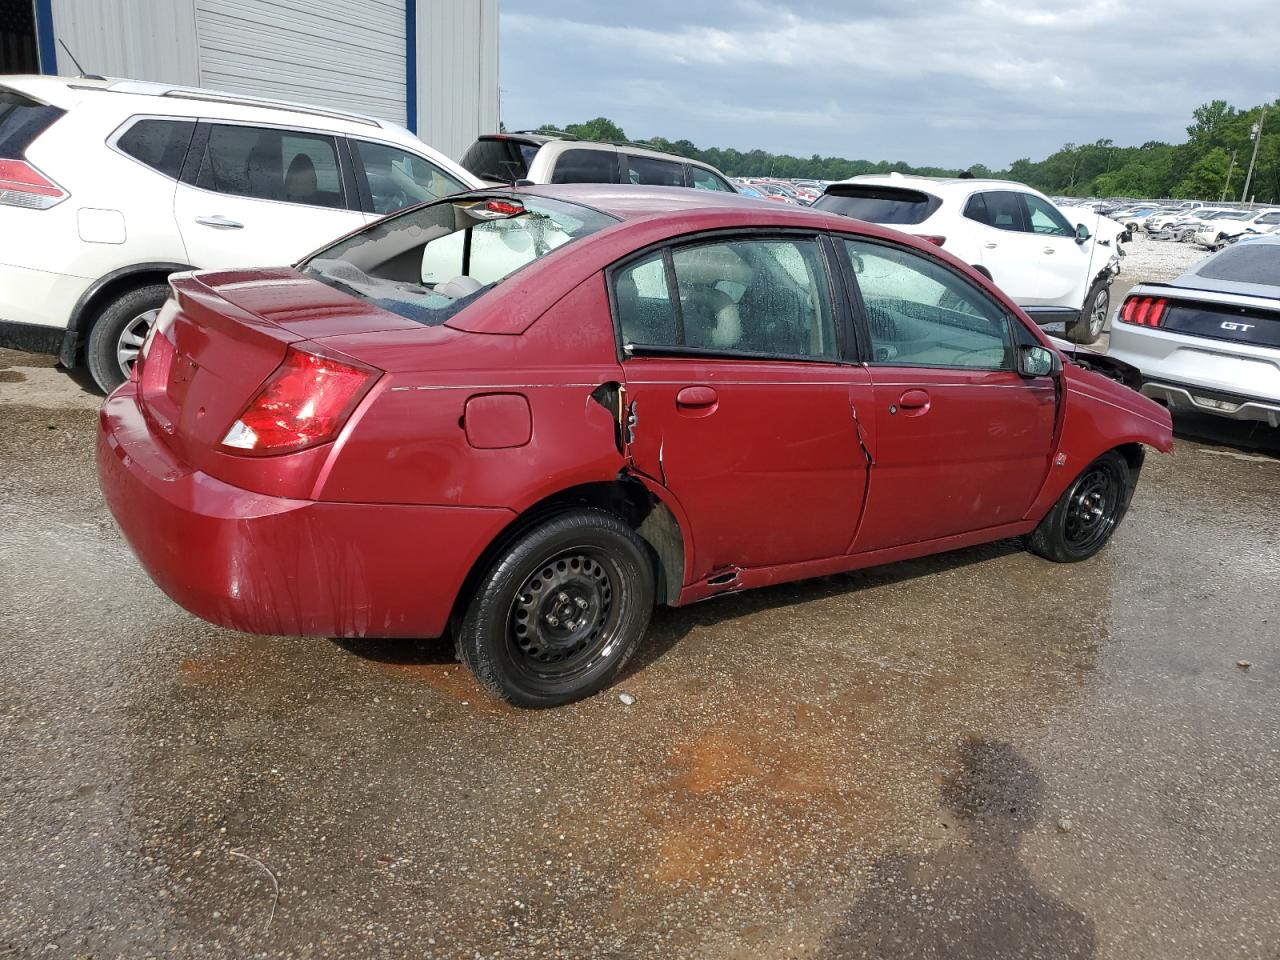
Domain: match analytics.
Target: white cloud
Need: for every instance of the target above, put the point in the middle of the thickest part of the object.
(893, 71)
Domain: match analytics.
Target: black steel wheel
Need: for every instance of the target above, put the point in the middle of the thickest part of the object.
(1087, 514)
(560, 611)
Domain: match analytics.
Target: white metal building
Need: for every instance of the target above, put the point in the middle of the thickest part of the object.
(431, 65)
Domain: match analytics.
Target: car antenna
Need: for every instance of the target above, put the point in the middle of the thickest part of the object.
(83, 75)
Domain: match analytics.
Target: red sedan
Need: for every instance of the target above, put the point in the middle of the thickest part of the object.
(523, 417)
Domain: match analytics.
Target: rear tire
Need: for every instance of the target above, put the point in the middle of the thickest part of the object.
(1087, 514)
(118, 332)
(1093, 314)
(559, 613)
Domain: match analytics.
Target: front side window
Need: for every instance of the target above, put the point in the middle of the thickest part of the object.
(767, 297)
(429, 262)
(160, 144)
(701, 179)
(399, 179)
(920, 314)
(652, 172)
(269, 164)
(586, 166)
(1044, 217)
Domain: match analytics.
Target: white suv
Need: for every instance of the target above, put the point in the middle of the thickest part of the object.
(1057, 269)
(109, 186)
(539, 158)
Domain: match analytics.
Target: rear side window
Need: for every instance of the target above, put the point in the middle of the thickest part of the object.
(160, 144)
(879, 204)
(21, 121)
(399, 179)
(505, 161)
(1245, 263)
(654, 173)
(269, 164)
(586, 166)
(430, 262)
(767, 297)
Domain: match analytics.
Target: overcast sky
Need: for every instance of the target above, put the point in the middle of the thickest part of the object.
(926, 81)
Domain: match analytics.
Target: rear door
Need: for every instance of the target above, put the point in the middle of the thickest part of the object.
(740, 403)
(262, 196)
(962, 442)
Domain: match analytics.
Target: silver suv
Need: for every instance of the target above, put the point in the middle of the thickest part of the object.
(539, 158)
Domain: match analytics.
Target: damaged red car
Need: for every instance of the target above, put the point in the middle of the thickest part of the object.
(521, 418)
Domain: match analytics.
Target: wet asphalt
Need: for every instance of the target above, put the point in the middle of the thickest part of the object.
(979, 754)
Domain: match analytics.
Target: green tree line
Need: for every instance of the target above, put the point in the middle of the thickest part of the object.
(1199, 168)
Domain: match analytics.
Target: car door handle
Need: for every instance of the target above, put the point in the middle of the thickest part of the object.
(990, 246)
(219, 221)
(913, 403)
(696, 398)
(1048, 250)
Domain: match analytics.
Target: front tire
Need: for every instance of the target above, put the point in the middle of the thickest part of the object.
(559, 613)
(118, 332)
(1085, 517)
(1093, 315)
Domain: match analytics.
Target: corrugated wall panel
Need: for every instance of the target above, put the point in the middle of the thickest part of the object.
(136, 39)
(457, 72)
(348, 55)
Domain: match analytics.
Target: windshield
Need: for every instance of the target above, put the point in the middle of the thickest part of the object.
(430, 262)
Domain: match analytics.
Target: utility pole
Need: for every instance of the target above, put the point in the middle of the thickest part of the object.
(1230, 170)
(1257, 139)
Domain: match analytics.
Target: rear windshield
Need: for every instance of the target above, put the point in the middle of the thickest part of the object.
(430, 262)
(21, 121)
(1245, 263)
(503, 160)
(879, 204)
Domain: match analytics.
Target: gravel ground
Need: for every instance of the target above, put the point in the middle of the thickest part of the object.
(976, 755)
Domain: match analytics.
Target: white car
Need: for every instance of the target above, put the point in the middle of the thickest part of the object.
(1057, 269)
(1222, 229)
(1187, 225)
(498, 158)
(109, 186)
(1210, 340)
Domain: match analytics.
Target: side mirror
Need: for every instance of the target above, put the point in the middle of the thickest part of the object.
(1038, 362)
(1082, 233)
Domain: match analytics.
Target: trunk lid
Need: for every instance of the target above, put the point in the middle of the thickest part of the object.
(217, 341)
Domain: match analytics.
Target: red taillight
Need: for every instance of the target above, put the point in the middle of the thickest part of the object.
(305, 402)
(22, 185)
(936, 241)
(1144, 311)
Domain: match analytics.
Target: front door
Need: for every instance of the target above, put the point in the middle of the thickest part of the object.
(962, 441)
(262, 196)
(739, 401)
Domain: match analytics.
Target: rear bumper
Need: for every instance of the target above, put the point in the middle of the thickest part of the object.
(272, 565)
(1239, 381)
(39, 298)
(1220, 404)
